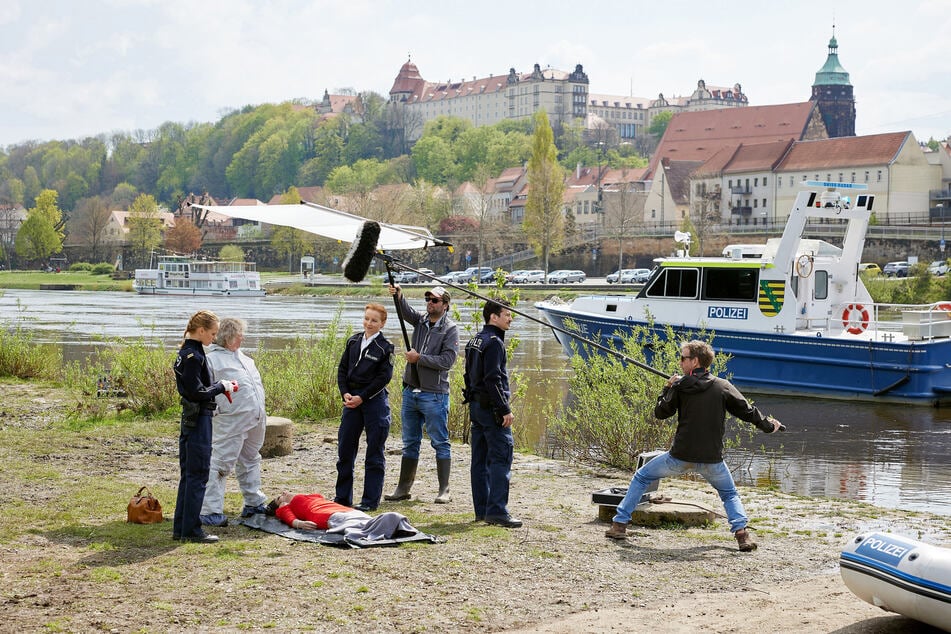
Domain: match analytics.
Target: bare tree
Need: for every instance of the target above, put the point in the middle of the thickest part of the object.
(705, 214)
(623, 211)
(10, 219)
(87, 224)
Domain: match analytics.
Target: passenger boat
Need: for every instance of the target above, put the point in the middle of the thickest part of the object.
(901, 575)
(795, 318)
(181, 275)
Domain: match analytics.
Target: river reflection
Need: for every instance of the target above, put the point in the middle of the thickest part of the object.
(888, 455)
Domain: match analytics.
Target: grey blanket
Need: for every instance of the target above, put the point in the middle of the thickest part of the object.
(386, 529)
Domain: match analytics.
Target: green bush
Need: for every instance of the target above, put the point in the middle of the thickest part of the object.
(80, 266)
(609, 415)
(300, 380)
(23, 358)
(103, 268)
(136, 375)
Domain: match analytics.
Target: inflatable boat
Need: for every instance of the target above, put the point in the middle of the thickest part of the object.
(900, 575)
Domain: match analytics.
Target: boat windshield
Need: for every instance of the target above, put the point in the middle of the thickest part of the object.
(710, 283)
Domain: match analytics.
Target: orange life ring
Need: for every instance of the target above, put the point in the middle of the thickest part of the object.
(858, 326)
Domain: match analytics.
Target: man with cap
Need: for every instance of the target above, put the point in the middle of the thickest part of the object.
(433, 351)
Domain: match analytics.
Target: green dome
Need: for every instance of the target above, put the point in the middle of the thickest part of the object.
(832, 73)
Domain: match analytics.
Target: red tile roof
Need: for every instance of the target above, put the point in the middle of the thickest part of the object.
(850, 151)
(758, 156)
(697, 136)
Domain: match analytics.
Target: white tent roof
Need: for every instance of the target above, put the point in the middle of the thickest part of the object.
(329, 223)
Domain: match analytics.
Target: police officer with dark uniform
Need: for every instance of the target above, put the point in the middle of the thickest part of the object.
(488, 395)
(363, 373)
(193, 381)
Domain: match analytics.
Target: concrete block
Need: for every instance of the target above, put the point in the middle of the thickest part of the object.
(278, 437)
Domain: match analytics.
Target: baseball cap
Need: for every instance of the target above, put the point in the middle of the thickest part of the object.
(439, 291)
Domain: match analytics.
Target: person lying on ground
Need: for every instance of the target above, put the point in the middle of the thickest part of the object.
(314, 511)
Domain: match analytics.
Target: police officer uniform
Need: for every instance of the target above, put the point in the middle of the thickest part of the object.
(193, 381)
(364, 371)
(488, 395)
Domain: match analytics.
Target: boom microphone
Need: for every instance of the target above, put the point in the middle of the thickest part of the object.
(360, 256)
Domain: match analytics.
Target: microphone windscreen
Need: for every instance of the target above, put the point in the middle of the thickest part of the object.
(360, 256)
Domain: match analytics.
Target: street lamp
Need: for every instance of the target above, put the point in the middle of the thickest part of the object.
(941, 244)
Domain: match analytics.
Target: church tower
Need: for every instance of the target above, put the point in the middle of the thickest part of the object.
(833, 93)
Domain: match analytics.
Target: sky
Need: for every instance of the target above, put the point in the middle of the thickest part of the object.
(71, 69)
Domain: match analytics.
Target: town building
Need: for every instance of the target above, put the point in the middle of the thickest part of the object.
(488, 100)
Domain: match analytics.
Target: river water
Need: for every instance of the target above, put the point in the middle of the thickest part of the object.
(888, 455)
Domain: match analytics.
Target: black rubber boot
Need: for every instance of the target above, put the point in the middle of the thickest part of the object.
(443, 467)
(407, 477)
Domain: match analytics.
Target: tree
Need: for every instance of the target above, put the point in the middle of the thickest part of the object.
(434, 159)
(36, 239)
(145, 225)
(9, 226)
(288, 241)
(544, 215)
(41, 234)
(231, 253)
(659, 123)
(624, 209)
(123, 194)
(183, 237)
(88, 223)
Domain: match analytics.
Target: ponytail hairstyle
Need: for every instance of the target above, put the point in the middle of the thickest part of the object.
(202, 319)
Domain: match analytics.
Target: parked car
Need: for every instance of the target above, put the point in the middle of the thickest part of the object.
(636, 276)
(897, 269)
(565, 276)
(870, 269)
(612, 278)
(938, 267)
(400, 277)
(454, 277)
(475, 273)
(490, 277)
(530, 276)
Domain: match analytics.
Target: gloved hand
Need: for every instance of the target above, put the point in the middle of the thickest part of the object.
(229, 387)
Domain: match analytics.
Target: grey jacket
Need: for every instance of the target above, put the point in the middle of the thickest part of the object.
(437, 345)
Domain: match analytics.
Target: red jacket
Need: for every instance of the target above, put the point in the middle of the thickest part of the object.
(311, 508)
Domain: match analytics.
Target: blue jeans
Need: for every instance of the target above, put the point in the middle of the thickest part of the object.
(491, 469)
(665, 465)
(429, 410)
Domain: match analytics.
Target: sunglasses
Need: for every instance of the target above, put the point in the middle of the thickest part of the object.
(433, 300)
(683, 358)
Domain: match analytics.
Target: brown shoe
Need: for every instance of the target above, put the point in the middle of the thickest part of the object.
(744, 540)
(617, 531)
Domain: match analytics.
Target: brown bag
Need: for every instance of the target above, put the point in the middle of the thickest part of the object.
(144, 509)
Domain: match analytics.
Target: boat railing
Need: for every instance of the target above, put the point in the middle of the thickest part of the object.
(880, 320)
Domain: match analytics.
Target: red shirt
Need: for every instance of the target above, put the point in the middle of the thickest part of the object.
(311, 508)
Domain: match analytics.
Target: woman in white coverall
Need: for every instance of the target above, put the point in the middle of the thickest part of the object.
(238, 428)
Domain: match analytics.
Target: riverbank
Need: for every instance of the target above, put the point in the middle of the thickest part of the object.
(69, 561)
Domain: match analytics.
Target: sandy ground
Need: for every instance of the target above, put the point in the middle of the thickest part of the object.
(557, 574)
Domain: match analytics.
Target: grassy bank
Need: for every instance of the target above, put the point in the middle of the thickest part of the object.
(80, 280)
